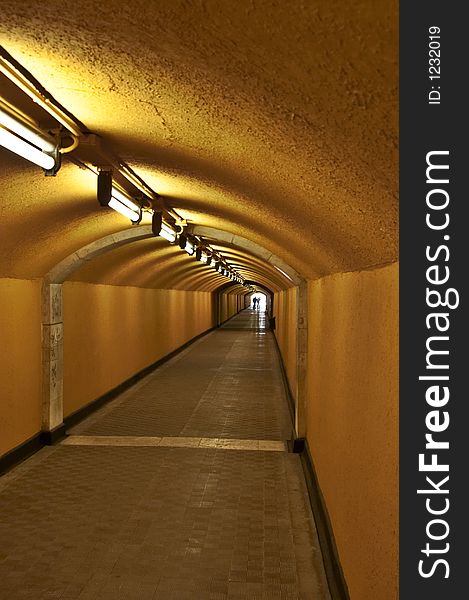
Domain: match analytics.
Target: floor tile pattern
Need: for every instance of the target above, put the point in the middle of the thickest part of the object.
(181, 489)
(106, 523)
(227, 385)
(247, 319)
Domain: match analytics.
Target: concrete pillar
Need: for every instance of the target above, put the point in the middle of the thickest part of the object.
(52, 361)
(302, 358)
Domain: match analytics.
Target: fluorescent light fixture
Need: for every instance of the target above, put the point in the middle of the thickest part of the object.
(115, 193)
(12, 142)
(156, 222)
(123, 210)
(168, 233)
(27, 133)
(125, 206)
(189, 248)
(205, 258)
(11, 70)
(110, 196)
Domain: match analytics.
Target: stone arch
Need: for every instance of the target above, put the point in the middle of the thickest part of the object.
(52, 315)
(52, 323)
(251, 247)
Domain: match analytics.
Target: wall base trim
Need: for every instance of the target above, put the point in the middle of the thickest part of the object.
(334, 573)
(286, 383)
(48, 438)
(335, 576)
(20, 453)
(94, 405)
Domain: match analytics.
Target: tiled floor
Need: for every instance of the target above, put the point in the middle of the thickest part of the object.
(179, 489)
(248, 319)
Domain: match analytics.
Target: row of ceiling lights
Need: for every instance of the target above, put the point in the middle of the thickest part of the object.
(194, 246)
(109, 195)
(21, 136)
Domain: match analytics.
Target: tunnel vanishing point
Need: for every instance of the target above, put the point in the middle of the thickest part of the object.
(161, 163)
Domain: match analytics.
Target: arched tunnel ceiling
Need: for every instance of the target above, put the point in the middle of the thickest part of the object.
(275, 122)
(153, 263)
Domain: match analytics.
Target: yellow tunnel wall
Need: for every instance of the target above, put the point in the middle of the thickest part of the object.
(352, 421)
(20, 367)
(229, 305)
(284, 311)
(112, 332)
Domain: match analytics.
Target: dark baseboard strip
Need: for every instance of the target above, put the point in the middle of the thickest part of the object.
(94, 405)
(335, 576)
(286, 383)
(20, 453)
(47, 438)
(51, 437)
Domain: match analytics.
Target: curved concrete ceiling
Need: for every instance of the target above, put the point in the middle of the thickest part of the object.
(137, 264)
(273, 122)
(153, 263)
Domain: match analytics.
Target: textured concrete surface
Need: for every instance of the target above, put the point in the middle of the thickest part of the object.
(275, 121)
(126, 521)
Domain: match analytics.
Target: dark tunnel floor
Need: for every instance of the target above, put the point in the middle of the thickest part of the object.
(179, 489)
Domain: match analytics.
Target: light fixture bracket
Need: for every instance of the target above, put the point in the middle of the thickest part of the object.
(156, 222)
(104, 185)
(182, 241)
(140, 215)
(57, 163)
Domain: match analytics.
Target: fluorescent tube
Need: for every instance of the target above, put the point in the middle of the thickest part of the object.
(27, 133)
(115, 193)
(124, 210)
(167, 233)
(18, 146)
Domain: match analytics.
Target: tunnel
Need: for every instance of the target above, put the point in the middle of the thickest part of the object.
(161, 164)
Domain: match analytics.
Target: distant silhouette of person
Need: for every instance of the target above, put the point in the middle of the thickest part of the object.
(254, 302)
